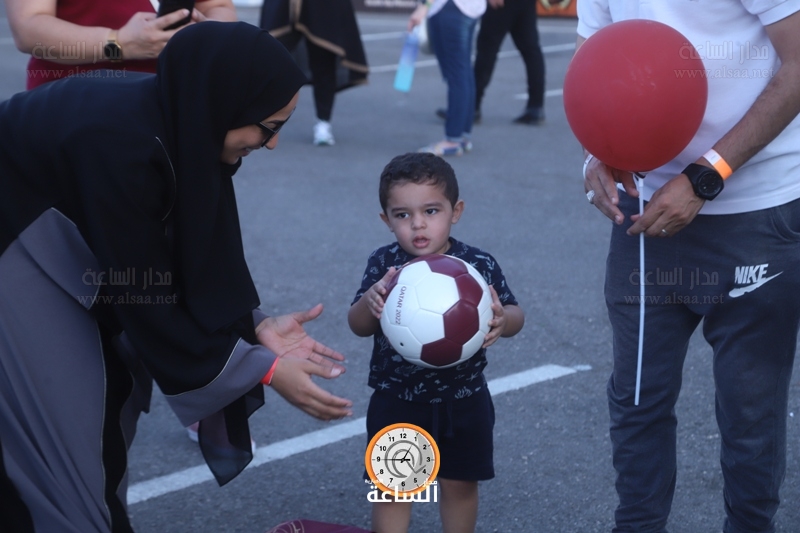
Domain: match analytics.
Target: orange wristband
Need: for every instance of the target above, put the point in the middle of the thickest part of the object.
(719, 164)
(267, 379)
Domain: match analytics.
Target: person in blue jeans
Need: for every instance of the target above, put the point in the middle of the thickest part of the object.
(451, 27)
(517, 17)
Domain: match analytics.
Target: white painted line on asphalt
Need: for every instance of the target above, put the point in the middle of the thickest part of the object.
(159, 486)
(195, 475)
(367, 20)
(369, 37)
(547, 94)
(528, 377)
(502, 55)
(400, 35)
(393, 67)
(550, 49)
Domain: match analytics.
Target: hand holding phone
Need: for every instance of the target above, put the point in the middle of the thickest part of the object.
(170, 6)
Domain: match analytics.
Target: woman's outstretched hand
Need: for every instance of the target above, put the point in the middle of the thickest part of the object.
(301, 357)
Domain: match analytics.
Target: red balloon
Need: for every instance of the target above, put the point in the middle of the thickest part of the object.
(635, 93)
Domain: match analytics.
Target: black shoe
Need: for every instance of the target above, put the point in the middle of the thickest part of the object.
(442, 114)
(532, 117)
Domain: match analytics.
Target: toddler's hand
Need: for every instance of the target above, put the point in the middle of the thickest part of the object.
(377, 293)
(497, 324)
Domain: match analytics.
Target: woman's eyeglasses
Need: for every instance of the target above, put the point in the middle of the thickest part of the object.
(270, 132)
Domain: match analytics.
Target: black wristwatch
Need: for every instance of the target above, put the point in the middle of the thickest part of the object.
(706, 182)
(112, 50)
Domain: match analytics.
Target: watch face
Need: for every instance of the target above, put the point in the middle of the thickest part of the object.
(709, 184)
(112, 51)
(706, 182)
(402, 458)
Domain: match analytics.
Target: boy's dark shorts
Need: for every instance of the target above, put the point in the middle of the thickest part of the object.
(462, 429)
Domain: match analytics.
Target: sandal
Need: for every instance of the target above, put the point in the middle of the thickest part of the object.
(443, 149)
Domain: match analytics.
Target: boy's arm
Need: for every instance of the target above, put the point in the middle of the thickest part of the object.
(515, 319)
(361, 320)
(507, 321)
(364, 315)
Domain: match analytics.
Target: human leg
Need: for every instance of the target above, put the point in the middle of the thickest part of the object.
(391, 517)
(495, 24)
(451, 35)
(322, 64)
(525, 34)
(458, 505)
(643, 436)
(467, 449)
(62, 446)
(384, 410)
(463, 431)
(754, 336)
(752, 381)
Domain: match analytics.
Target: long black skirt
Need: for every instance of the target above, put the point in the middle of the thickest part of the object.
(67, 415)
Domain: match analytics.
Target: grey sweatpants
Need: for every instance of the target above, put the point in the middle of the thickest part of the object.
(740, 274)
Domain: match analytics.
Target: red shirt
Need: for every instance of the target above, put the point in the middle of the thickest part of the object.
(108, 13)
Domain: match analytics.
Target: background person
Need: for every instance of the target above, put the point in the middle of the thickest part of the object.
(517, 17)
(325, 40)
(451, 27)
(69, 37)
(120, 238)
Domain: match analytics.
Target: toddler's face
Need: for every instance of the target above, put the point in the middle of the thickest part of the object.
(420, 216)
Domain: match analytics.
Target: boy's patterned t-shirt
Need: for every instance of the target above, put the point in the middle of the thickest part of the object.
(390, 373)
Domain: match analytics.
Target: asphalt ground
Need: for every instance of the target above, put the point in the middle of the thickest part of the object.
(310, 219)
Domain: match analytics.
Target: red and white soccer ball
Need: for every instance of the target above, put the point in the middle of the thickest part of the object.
(437, 311)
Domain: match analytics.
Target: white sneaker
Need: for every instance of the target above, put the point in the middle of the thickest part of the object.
(191, 431)
(323, 136)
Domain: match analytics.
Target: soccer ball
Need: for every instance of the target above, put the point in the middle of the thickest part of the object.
(437, 311)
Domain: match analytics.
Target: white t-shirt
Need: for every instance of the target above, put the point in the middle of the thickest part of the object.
(471, 8)
(739, 60)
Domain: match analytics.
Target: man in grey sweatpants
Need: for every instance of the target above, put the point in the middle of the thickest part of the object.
(722, 222)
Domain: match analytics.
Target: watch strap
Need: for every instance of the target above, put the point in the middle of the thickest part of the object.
(111, 41)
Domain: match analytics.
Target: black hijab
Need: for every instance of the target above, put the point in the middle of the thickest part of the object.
(214, 77)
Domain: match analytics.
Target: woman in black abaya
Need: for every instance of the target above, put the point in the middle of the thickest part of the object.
(324, 39)
(121, 258)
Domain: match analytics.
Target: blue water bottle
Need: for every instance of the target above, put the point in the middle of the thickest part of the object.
(405, 68)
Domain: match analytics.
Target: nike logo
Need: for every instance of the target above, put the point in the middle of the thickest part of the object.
(739, 291)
